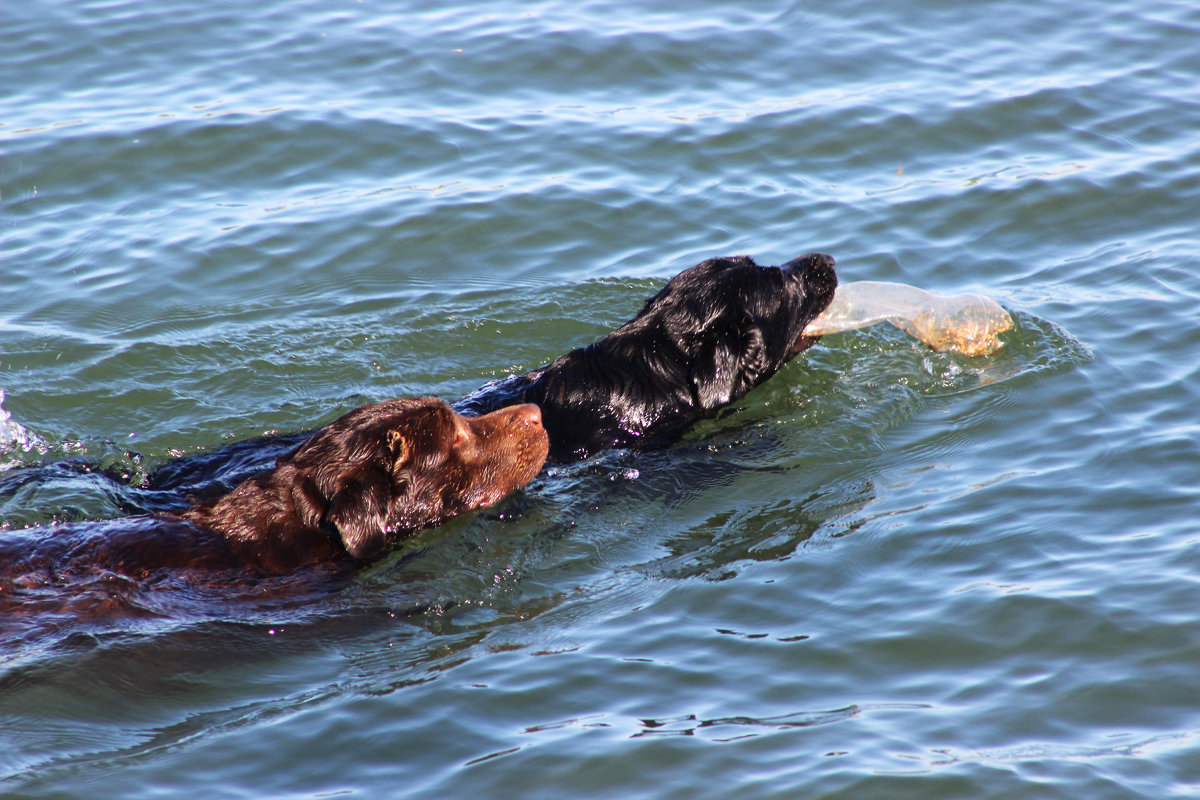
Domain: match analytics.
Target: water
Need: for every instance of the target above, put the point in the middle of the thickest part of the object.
(887, 573)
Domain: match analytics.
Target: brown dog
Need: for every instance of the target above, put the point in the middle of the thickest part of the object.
(376, 475)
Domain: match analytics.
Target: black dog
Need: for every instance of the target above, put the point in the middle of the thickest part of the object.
(712, 334)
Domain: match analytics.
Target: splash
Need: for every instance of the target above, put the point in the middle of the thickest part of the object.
(15, 437)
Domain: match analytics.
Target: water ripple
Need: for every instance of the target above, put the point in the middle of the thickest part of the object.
(977, 576)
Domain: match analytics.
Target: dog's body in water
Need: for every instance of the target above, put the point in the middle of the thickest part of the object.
(385, 471)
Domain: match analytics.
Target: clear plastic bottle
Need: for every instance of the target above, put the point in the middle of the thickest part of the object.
(964, 323)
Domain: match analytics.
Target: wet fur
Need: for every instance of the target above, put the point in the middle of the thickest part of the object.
(385, 471)
(374, 476)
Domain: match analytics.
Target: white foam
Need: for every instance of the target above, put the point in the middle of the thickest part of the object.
(16, 437)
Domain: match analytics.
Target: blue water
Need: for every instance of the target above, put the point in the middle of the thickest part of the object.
(887, 572)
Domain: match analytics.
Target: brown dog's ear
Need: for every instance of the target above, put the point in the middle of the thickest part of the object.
(398, 444)
(359, 512)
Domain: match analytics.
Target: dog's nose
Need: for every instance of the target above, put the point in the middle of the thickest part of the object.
(529, 414)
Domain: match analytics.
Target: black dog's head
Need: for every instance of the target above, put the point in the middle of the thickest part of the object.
(750, 318)
(714, 332)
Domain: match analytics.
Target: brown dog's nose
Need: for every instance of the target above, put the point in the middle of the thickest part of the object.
(529, 414)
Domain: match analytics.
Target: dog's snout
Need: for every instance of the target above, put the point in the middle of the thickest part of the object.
(528, 414)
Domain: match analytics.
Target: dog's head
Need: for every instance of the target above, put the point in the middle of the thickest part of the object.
(714, 332)
(393, 468)
(735, 323)
(735, 294)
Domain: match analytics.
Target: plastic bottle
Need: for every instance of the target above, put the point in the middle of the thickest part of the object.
(964, 323)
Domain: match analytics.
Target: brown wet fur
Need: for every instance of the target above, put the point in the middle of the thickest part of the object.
(377, 475)
(380, 473)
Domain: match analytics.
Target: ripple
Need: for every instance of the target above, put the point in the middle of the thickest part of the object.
(886, 571)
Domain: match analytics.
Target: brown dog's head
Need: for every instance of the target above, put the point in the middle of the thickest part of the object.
(390, 469)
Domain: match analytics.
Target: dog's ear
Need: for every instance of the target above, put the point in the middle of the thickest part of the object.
(360, 508)
(399, 445)
(359, 513)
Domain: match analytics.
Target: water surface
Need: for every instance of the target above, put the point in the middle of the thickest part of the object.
(887, 572)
